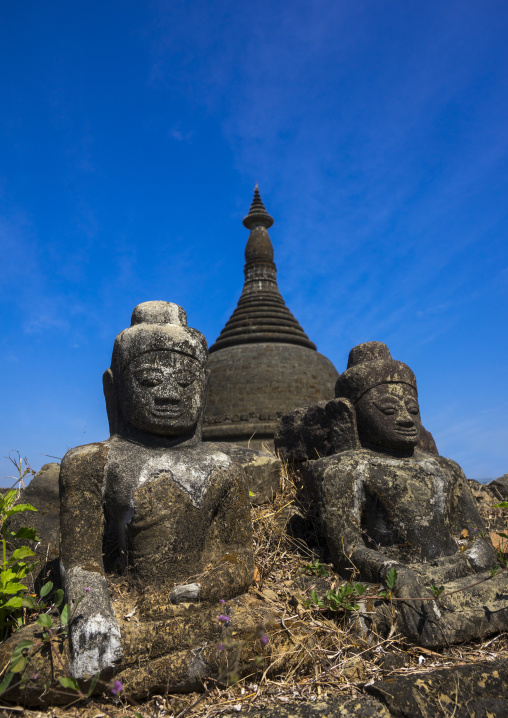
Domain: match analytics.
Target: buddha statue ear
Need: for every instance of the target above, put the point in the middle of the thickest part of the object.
(341, 415)
(108, 385)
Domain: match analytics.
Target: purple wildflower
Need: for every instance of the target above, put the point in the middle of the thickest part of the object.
(35, 676)
(117, 688)
(220, 646)
(223, 602)
(87, 590)
(264, 639)
(223, 619)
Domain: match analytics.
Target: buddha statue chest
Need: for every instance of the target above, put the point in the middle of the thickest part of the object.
(161, 505)
(400, 504)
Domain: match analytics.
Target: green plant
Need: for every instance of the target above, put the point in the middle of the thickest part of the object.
(13, 568)
(342, 599)
(315, 569)
(437, 590)
(54, 627)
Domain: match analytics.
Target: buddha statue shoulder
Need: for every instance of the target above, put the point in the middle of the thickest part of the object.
(174, 509)
(385, 503)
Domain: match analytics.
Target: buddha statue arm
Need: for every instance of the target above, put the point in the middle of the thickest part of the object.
(342, 498)
(228, 554)
(94, 630)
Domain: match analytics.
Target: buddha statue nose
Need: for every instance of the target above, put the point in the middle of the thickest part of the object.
(168, 392)
(404, 418)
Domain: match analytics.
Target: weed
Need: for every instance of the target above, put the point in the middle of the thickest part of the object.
(315, 569)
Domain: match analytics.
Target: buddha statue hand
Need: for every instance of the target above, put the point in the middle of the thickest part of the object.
(187, 592)
(419, 619)
(94, 631)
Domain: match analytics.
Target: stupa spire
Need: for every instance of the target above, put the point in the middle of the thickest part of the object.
(261, 314)
(257, 216)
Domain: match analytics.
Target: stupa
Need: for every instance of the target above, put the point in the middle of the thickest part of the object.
(263, 364)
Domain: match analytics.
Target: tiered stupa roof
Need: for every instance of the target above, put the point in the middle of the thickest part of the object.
(261, 314)
(263, 364)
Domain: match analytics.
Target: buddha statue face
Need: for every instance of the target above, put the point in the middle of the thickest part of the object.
(162, 392)
(388, 417)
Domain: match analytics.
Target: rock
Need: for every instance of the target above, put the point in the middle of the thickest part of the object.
(263, 471)
(486, 496)
(42, 492)
(304, 434)
(501, 486)
(336, 707)
(479, 690)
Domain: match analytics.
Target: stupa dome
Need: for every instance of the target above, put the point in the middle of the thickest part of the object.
(263, 364)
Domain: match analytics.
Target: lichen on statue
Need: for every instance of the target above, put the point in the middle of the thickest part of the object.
(386, 504)
(174, 509)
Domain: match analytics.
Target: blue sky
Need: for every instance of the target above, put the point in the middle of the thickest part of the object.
(131, 136)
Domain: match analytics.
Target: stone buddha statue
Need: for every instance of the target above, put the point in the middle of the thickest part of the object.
(386, 504)
(174, 512)
(176, 509)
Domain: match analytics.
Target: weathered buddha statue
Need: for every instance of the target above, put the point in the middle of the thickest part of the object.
(174, 510)
(385, 504)
(177, 507)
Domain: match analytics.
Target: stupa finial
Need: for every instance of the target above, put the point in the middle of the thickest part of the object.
(258, 216)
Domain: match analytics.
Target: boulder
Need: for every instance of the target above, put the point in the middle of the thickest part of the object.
(263, 471)
(479, 690)
(42, 492)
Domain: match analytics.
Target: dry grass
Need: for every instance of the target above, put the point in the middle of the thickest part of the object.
(325, 656)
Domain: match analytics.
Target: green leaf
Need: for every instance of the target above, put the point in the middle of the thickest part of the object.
(64, 616)
(19, 508)
(22, 646)
(58, 597)
(501, 505)
(8, 498)
(22, 552)
(6, 576)
(93, 684)
(45, 620)
(14, 602)
(13, 588)
(25, 533)
(6, 681)
(19, 665)
(28, 601)
(46, 589)
(68, 682)
(502, 535)
(391, 578)
(360, 588)
(251, 494)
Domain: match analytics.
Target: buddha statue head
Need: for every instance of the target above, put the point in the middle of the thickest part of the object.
(384, 395)
(157, 380)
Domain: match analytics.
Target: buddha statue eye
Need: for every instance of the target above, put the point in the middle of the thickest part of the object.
(149, 378)
(413, 409)
(186, 379)
(387, 409)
